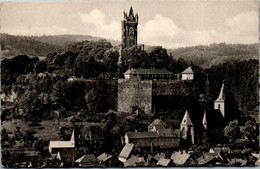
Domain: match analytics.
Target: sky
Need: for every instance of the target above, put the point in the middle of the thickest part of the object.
(168, 23)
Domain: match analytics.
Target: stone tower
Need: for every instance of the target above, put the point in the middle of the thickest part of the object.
(219, 104)
(129, 29)
(187, 128)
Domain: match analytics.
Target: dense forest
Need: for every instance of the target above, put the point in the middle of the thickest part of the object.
(40, 45)
(33, 89)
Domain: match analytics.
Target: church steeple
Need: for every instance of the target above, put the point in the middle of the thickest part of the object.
(186, 128)
(186, 119)
(204, 121)
(219, 104)
(222, 95)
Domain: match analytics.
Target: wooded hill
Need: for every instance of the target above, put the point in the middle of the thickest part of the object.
(40, 45)
(43, 84)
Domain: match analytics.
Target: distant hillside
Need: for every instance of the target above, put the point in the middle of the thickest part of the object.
(40, 45)
(215, 54)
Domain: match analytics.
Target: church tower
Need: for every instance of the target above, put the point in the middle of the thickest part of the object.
(219, 104)
(129, 29)
(187, 128)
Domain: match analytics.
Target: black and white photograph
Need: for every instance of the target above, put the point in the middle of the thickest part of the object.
(129, 83)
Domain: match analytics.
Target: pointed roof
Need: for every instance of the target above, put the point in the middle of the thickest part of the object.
(188, 71)
(186, 119)
(72, 136)
(222, 95)
(131, 12)
(204, 121)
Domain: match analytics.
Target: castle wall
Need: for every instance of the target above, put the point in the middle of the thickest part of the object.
(152, 96)
(134, 93)
(172, 95)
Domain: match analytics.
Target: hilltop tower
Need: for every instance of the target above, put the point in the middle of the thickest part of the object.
(187, 128)
(219, 104)
(129, 29)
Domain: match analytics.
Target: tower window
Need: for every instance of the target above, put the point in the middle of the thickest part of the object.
(219, 106)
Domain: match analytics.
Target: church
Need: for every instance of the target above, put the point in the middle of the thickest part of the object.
(210, 126)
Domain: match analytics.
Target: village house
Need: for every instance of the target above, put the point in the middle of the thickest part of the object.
(67, 156)
(149, 74)
(89, 138)
(55, 146)
(153, 141)
(124, 154)
(187, 74)
(156, 125)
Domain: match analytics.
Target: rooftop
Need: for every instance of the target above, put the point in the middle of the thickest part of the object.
(126, 150)
(188, 71)
(147, 71)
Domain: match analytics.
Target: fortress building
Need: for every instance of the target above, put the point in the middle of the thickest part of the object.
(129, 29)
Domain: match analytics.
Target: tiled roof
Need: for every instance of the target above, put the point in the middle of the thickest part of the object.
(158, 156)
(68, 153)
(147, 71)
(133, 160)
(104, 157)
(88, 158)
(187, 71)
(206, 158)
(61, 144)
(163, 162)
(126, 150)
(179, 158)
(159, 133)
(159, 124)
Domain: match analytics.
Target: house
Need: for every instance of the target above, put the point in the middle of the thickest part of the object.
(225, 150)
(133, 161)
(187, 74)
(55, 146)
(88, 160)
(156, 125)
(180, 157)
(207, 159)
(89, 138)
(148, 74)
(105, 159)
(67, 156)
(124, 154)
(158, 156)
(237, 162)
(163, 162)
(162, 139)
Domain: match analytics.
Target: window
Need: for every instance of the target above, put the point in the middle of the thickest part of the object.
(219, 106)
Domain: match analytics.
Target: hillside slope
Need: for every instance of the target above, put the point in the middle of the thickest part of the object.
(215, 54)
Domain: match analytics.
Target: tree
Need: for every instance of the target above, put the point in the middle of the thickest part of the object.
(4, 135)
(232, 131)
(40, 67)
(250, 130)
(38, 145)
(29, 138)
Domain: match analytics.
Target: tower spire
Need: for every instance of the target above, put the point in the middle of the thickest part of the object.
(222, 95)
(204, 121)
(186, 119)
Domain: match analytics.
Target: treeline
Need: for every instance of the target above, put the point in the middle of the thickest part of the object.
(40, 45)
(215, 54)
(25, 45)
(42, 86)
